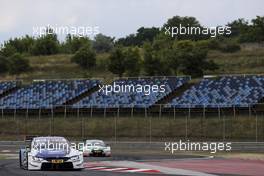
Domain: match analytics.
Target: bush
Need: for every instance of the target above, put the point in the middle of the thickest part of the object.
(229, 47)
(18, 64)
(8, 50)
(224, 45)
(85, 57)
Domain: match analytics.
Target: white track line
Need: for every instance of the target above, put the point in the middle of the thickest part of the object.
(5, 151)
(162, 169)
(117, 169)
(96, 168)
(121, 169)
(138, 170)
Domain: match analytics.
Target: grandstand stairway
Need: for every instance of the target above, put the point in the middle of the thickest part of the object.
(179, 91)
(81, 96)
(10, 91)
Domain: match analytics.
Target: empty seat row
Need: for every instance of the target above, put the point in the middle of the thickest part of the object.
(45, 94)
(223, 92)
(128, 99)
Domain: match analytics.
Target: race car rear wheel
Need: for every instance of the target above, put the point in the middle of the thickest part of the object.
(20, 162)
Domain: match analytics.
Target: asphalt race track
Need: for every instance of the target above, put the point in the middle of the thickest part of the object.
(140, 163)
(11, 167)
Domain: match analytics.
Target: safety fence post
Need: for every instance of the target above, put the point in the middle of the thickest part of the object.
(249, 110)
(14, 113)
(65, 111)
(51, 120)
(174, 113)
(219, 113)
(132, 111)
(234, 111)
(146, 115)
(83, 123)
(186, 123)
(150, 129)
(160, 111)
(2, 113)
(256, 127)
(104, 111)
(224, 128)
(91, 112)
(26, 124)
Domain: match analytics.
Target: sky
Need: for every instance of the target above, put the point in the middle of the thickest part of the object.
(117, 18)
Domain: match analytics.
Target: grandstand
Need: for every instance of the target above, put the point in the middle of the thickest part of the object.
(210, 93)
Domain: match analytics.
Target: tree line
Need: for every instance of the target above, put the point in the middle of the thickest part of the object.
(149, 51)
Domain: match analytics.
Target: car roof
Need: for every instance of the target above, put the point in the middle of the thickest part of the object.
(50, 138)
(94, 140)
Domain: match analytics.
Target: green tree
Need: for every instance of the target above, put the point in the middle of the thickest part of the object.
(117, 63)
(154, 63)
(258, 28)
(178, 21)
(143, 35)
(46, 45)
(20, 45)
(249, 32)
(192, 58)
(3, 64)
(18, 64)
(238, 27)
(85, 57)
(103, 43)
(132, 61)
(146, 34)
(8, 50)
(74, 43)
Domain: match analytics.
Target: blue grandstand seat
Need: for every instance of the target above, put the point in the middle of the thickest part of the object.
(45, 94)
(130, 99)
(226, 91)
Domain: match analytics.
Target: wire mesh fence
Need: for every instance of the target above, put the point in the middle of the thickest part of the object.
(156, 123)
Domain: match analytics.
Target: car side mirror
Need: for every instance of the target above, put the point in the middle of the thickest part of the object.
(80, 148)
(28, 148)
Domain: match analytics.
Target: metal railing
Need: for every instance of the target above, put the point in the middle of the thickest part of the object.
(155, 123)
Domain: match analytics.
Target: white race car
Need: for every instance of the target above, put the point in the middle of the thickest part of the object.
(96, 148)
(50, 153)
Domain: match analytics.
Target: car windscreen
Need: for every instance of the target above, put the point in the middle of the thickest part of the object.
(95, 143)
(51, 144)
